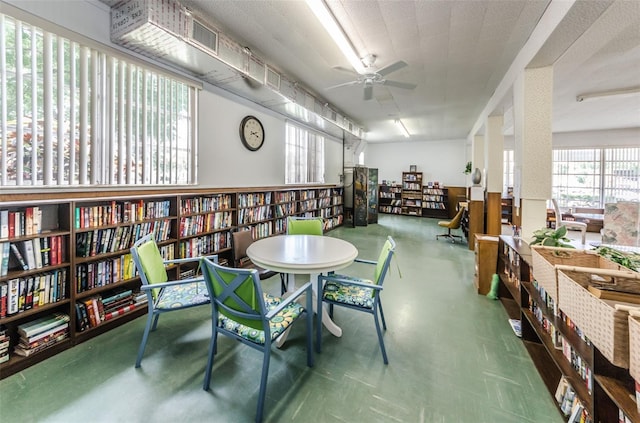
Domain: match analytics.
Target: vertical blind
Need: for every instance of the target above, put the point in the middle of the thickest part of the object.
(74, 115)
(304, 155)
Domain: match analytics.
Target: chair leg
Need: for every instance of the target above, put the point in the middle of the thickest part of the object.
(319, 295)
(151, 317)
(309, 312)
(155, 322)
(331, 310)
(263, 381)
(212, 351)
(284, 282)
(384, 351)
(384, 324)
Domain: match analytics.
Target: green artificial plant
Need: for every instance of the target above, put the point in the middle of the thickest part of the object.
(467, 169)
(552, 237)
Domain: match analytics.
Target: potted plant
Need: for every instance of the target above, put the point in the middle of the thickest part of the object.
(551, 237)
(467, 169)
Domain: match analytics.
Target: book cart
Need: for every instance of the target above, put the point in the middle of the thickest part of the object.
(582, 378)
(75, 278)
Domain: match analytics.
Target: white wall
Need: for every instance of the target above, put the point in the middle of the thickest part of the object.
(442, 161)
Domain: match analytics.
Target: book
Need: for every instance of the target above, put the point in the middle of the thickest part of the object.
(28, 254)
(5, 250)
(42, 324)
(37, 252)
(119, 312)
(56, 330)
(26, 352)
(516, 325)
(18, 255)
(4, 293)
(4, 224)
(13, 296)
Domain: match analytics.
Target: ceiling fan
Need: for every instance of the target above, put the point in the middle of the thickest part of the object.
(372, 77)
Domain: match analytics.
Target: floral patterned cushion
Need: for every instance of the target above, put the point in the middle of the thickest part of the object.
(278, 324)
(349, 294)
(179, 296)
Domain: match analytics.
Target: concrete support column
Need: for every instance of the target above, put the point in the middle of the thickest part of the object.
(493, 158)
(532, 105)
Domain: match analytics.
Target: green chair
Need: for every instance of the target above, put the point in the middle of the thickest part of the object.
(305, 225)
(359, 294)
(164, 295)
(243, 312)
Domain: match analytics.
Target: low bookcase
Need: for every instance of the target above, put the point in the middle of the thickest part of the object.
(560, 351)
(67, 254)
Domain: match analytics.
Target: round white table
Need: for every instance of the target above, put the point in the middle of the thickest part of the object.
(304, 255)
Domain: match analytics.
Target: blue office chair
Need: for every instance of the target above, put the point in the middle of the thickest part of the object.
(360, 294)
(164, 295)
(241, 310)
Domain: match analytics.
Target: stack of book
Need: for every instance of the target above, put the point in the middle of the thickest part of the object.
(4, 344)
(93, 311)
(42, 333)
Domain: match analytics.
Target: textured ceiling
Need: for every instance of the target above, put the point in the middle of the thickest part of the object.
(457, 53)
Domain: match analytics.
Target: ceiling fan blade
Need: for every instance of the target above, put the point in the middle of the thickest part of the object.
(398, 84)
(392, 68)
(368, 92)
(346, 84)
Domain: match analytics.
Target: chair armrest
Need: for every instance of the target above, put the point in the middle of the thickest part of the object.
(290, 299)
(346, 281)
(365, 261)
(171, 283)
(190, 259)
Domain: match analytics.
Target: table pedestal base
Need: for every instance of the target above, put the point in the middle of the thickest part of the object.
(327, 322)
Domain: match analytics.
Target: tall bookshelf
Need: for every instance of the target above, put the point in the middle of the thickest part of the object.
(86, 237)
(555, 345)
(412, 193)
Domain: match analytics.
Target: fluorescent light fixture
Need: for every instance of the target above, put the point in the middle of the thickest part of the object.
(403, 128)
(328, 21)
(622, 92)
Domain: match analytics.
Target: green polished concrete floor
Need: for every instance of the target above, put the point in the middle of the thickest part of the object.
(452, 358)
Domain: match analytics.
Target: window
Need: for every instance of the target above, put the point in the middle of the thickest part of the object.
(72, 114)
(508, 166)
(594, 177)
(590, 177)
(304, 156)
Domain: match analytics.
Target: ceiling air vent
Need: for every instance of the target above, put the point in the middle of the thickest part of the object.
(204, 37)
(272, 78)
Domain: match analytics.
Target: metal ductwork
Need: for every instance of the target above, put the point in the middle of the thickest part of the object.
(166, 31)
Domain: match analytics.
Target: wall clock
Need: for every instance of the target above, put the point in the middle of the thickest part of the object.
(251, 133)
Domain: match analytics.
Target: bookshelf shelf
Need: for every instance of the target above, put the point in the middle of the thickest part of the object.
(556, 347)
(74, 216)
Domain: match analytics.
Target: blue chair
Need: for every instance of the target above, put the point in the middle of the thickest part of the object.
(360, 294)
(243, 312)
(164, 295)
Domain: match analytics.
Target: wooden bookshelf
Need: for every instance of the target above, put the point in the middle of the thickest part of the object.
(556, 347)
(412, 193)
(94, 231)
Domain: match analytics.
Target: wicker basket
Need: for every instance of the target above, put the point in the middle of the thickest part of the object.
(634, 347)
(546, 258)
(601, 321)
